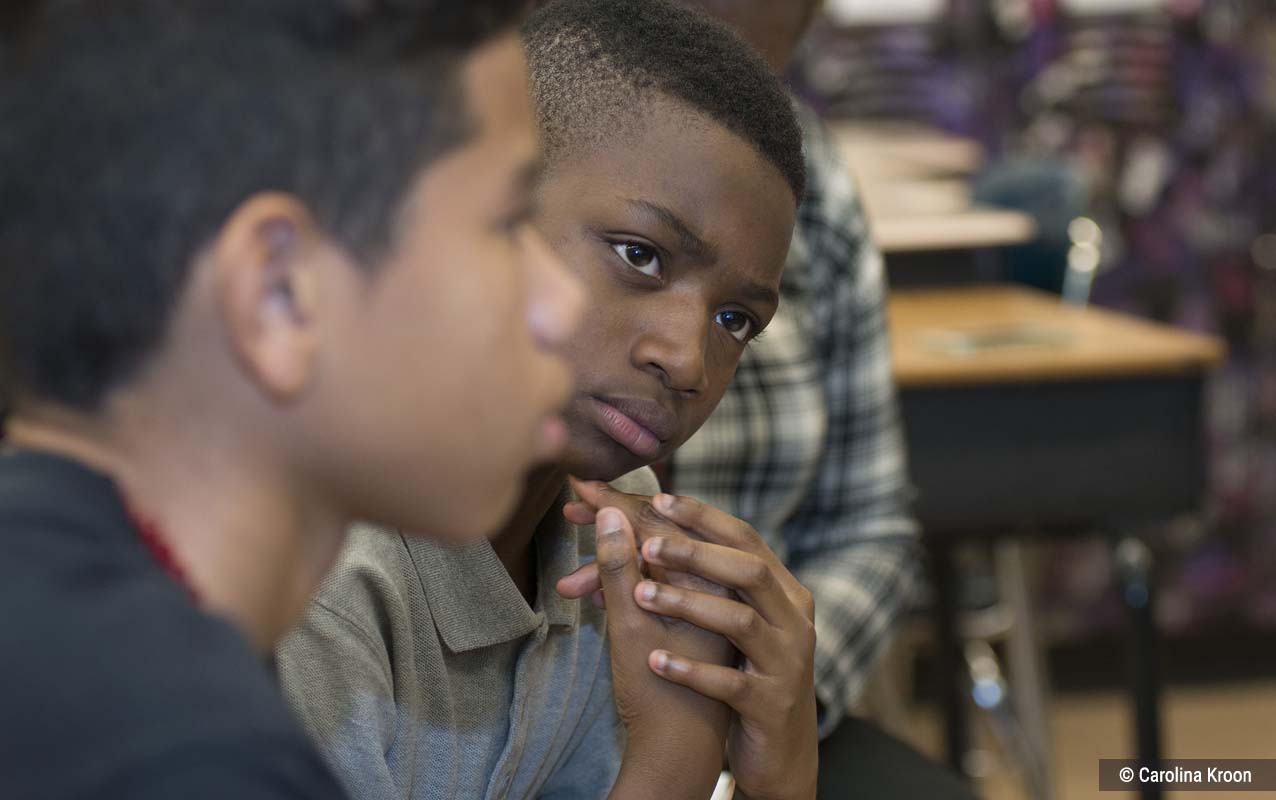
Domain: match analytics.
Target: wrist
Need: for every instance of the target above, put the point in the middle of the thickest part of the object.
(799, 782)
(660, 773)
(682, 758)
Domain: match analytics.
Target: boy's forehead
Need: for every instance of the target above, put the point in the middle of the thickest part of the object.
(671, 149)
(681, 163)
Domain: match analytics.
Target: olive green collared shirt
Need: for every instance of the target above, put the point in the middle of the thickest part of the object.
(423, 673)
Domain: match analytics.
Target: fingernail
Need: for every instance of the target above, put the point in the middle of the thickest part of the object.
(608, 522)
(660, 659)
(647, 591)
(663, 502)
(654, 546)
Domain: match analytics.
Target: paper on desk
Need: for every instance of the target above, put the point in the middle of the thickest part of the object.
(971, 341)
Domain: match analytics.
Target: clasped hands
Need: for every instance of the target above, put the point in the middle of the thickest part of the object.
(726, 621)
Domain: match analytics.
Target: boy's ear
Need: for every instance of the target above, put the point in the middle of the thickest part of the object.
(267, 263)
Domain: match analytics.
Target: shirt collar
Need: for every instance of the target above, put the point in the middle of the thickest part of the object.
(39, 483)
(473, 599)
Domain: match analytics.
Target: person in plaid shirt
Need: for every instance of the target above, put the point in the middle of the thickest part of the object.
(807, 447)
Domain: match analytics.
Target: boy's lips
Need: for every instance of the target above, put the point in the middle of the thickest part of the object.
(641, 426)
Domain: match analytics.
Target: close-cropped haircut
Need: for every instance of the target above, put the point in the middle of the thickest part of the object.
(132, 129)
(593, 62)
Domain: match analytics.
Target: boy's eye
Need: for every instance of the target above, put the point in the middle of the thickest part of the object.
(640, 257)
(737, 323)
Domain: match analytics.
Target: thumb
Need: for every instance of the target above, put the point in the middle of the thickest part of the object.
(595, 493)
(617, 564)
(580, 583)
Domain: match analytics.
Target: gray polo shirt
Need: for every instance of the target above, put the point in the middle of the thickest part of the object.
(422, 672)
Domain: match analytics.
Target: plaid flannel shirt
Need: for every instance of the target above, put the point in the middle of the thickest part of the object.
(806, 445)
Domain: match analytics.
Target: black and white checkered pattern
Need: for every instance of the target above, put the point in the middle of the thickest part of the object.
(806, 445)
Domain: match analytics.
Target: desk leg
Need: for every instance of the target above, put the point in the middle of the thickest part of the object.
(1134, 569)
(950, 668)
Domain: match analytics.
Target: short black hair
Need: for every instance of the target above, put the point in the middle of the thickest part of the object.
(591, 60)
(133, 128)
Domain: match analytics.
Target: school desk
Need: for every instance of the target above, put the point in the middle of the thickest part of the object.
(922, 215)
(902, 148)
(1026, 416)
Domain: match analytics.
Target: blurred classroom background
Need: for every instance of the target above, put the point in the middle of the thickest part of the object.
(1095, 455)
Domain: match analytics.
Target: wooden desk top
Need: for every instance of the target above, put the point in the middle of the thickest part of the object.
(973, 228)
(908, 214)
(905, 149)
(1003, 335)
(903, 196)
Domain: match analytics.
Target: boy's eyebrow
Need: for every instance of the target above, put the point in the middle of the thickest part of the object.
(690, 243)
(699, 249)
(762, 293)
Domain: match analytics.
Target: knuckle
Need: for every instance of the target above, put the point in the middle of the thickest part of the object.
(757, 574)
(691, 508)
(691, 554)
(677, 599)
(647, 515)
(737, 687)
(747, 622)
(690, 560)
(680, 550)
(612, 565)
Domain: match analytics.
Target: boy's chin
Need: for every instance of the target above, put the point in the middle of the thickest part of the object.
(599, 461)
